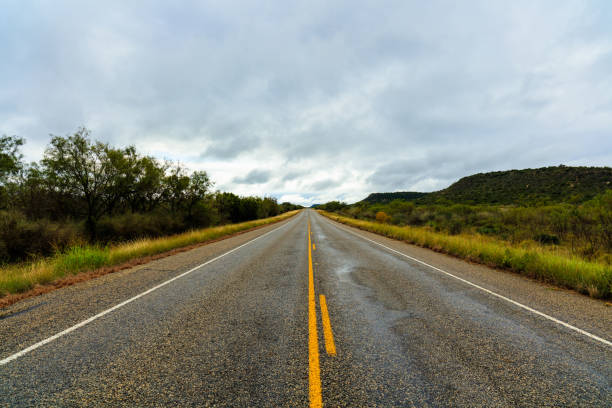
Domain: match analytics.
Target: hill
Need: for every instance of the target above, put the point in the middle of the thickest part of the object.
(388, 197)
(546, 185)
(529, 186)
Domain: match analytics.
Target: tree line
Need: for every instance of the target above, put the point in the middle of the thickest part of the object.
(88, 191)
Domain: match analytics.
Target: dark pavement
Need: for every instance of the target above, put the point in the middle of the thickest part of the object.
(235, 332)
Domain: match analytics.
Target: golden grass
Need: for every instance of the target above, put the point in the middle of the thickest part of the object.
(549, 265)
(23, 277)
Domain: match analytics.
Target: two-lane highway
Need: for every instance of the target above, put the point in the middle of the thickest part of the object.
(307, 312)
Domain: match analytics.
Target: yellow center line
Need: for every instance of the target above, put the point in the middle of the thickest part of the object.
(330, 347)
(314, 378)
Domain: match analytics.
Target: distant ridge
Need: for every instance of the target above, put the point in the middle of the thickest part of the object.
(544, 185)
(388, 197)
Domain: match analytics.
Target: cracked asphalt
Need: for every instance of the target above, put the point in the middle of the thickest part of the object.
(234, 333)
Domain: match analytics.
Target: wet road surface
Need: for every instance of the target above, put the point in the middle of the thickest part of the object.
(302, 313)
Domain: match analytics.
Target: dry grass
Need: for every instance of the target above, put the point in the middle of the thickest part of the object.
(24, 277)
(535, 261)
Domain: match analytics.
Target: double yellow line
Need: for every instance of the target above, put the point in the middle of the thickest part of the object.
(314, 379)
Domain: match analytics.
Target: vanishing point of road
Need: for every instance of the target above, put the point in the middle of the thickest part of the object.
(302, 313)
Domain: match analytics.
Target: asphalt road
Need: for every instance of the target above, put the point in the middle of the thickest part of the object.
(247, 329)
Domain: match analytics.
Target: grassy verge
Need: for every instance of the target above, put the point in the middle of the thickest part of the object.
(23, 277)
(537, 262)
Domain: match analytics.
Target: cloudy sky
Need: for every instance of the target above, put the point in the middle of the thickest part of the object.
(316, 100)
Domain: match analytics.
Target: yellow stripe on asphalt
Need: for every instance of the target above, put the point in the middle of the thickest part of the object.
(330, 347)
(314, 378)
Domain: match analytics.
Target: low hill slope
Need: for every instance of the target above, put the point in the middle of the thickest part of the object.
(528, 186)
(388, 197)
(546, 185)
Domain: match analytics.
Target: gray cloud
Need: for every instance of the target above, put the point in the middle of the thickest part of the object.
(292, 175)
(324, 185)
(254, 177)
(413, 95)
(231, 146)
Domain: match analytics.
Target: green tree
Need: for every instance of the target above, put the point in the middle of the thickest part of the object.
(10, 163)
(197, 190)
(147, 191)
(249, 208)
(10, 157)
(32, 195)
(86, 170)
(138, 180)
(175, 187)
(228, 206)
(270, 207)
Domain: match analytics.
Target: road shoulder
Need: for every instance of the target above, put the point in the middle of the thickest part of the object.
(592, 315)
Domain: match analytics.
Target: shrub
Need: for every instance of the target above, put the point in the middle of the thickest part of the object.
(22, 277)
(21, 238)
(489, 229)
(382, 217)
(455, 228)
(550, 265)
(128, 227)
(547, 239)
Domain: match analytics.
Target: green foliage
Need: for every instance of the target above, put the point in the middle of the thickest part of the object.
(286, 206)
(80, 258)
(10, 157)
(388, 197)
(21, 238)
(382, 217)
(528, 187)
(581, 229)
(548, 185)
(84, 190)
(547, 264)
(130, 226)
(90, 172)
(547, 239)
(332, 206)
(10, 163)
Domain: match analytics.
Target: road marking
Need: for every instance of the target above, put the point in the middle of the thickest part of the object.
(125, 302)
(330, 347)
(314, 378)
(514, 302)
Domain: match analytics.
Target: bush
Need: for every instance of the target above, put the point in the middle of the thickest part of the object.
(592, 278)
(127, 227)
(455, 228)
(382, 217)
(490, 229)
(81, 258)
(547, 239)
(204, 215)
(21, 239)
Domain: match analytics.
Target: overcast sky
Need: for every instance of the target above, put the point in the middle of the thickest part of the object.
(316, 100)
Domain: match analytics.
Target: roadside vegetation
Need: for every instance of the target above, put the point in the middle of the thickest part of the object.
(579, 230)
(529, 187)
(85, 192)
(22, 277)
(544, 263)
(88, 204)
(566, 242)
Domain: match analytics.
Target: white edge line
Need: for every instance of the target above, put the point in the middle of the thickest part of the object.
(125, 302)
(514, 302)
